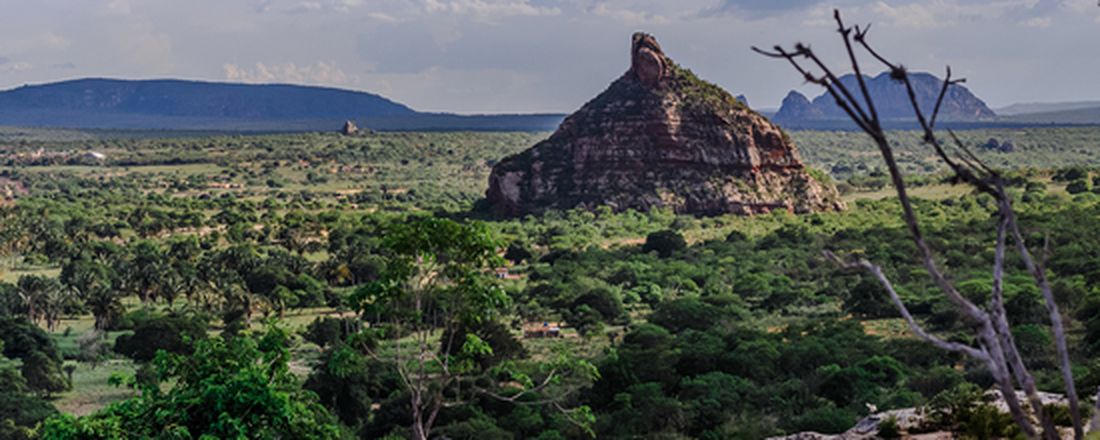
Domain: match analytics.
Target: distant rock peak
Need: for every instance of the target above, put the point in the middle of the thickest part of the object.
(891, 100)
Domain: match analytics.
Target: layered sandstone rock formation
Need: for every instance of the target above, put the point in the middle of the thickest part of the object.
(661, 137)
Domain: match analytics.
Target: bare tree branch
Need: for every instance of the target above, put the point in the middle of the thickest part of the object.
(876, 271)
(1040, 277)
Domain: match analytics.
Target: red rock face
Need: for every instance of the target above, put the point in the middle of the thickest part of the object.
(660, 137)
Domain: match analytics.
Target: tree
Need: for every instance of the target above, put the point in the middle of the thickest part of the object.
(327, 331)
(92, 348)
(20, 409)
(435, 280)
(91, 282)
(172, 333)
(11, 301)
(184, 254)
(240, 387)
(43, 298)
(665, 243)
(438, 281)
(41, 363)
(996, 346)
(143, 273)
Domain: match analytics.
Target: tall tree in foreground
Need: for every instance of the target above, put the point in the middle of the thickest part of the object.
(439, 281)
(994, 344)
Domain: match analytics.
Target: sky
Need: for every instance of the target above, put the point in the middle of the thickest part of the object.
(523, 56)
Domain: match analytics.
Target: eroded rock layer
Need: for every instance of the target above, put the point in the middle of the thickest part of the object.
(661, 137)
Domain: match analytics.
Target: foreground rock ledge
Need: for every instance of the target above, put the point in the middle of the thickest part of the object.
(659, 137)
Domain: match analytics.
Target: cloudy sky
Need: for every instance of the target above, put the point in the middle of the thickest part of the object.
(472, 56)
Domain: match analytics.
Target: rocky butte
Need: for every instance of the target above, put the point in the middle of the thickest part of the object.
(660, 137)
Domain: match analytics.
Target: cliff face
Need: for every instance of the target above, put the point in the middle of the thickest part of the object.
(660, 137)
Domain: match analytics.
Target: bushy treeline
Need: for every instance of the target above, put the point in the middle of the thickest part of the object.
(749, 334)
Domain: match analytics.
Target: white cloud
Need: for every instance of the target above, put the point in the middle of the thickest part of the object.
(307, 6)
(121, 7)
(1037, 22)
(629, 15)
(9, 67)
(34, 42)
(54, 41)
(489, 10)
(918, 15)
(320, 73)
(382, 17)
(946, 13)
(142, 44)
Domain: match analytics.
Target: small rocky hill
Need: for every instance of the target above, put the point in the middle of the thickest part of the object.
(661, 137)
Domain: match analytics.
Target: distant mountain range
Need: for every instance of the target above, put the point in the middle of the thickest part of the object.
(1072, 116)
(194, 105)
(891, 100)
(1027, 108)
(171, 104)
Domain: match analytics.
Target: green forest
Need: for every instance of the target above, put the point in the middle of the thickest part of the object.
(321, 286)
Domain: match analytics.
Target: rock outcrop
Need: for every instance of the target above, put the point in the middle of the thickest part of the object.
(349, 128)
(913, 423)
(796, 107)
(661, 137)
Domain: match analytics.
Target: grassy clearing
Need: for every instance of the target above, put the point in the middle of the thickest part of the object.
(91, 390)
(929, 192)
(12, 275)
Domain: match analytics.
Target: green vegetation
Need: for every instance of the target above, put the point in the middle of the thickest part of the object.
(236, 388)
(140, 291)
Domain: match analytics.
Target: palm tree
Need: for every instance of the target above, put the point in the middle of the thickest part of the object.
(105, 304)
(39, 295)
(90, 281)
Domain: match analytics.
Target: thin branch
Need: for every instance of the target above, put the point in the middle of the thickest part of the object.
(845, 33)
(915, 327)
(1006, 339)
(947, 82)
(513, 398)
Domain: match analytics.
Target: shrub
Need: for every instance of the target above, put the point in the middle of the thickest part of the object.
(888, 428)
(500, 339)
(1078, 186)
(1060, 414)
(517, 253)
(27, 342)
(173, 333)
(665, 243)
(327, 331)
(685, 313)
(825, 419)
